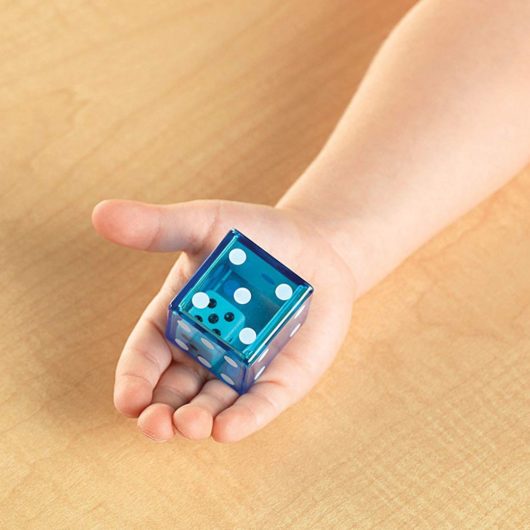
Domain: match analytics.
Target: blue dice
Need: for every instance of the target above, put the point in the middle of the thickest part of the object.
(238, 311)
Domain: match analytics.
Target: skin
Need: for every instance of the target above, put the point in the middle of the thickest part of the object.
(161, 385)
(441, 120)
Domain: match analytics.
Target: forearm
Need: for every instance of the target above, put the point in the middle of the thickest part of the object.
(441, 120)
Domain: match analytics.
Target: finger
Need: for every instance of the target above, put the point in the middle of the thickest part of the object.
(195, 420)
(193, 226)
(182, 226)
(155, 422)
(263, 402)
(178, 384)
(147, 354)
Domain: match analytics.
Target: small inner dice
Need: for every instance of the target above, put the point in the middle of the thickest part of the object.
(209, 309)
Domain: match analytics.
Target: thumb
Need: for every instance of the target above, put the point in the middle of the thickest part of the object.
(181, 226)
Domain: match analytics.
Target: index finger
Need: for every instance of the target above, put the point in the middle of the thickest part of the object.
(147, 354)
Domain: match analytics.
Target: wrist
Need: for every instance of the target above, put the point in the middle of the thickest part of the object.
(337, 232)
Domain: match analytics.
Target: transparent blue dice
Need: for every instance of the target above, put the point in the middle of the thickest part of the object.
(238, 311)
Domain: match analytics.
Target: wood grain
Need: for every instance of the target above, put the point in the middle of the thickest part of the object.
(424, 419)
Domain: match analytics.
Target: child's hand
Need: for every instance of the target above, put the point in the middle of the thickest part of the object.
(161, 385)
(402, 163)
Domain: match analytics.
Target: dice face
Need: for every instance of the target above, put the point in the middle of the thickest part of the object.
(238, 311)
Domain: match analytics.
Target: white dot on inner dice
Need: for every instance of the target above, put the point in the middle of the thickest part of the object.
(283, 291)
(242, 295)
(260, 371)
(207, 343)
(247, 335)
(295, 329)
(230, 361)
(227, 378)
(181, 344)
(200, 300)
(204, 361)
(237, 256)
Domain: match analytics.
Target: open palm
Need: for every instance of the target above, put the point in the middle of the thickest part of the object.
(161, 385)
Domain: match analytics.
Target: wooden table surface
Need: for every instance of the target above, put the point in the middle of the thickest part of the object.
(424, 418)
